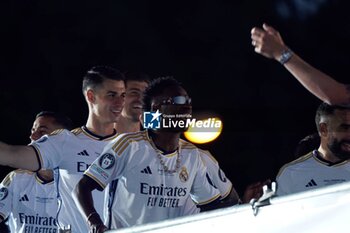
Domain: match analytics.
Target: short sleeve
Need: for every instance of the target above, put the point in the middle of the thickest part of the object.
(284, 183)
(203, 190)
(109, 165)
(6, 195)
(218, 177)
(49, 149)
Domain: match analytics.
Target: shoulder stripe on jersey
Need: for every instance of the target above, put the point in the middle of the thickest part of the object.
(186, 144)
(125, 145)
(8, 179)
(121, 150)
(76, 131)
(125, 139)
(209, 155)
(298, 160)
(188, 147)
(21, 171)
(55, 132)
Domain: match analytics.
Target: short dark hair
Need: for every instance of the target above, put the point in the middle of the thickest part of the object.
(326, 110)
(136, 76)
(97, 74)
(59, 118)
(156, 88)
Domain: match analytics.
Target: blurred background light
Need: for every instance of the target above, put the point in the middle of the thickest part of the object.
(201, 136)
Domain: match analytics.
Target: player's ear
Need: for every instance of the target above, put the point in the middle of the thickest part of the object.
(90, 95)
(323, 129)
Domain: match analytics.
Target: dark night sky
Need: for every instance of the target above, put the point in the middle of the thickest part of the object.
(47, 46)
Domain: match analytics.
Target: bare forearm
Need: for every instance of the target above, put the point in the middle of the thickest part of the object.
(268, 42)
(84, 200)
(23, 157)
(318, 83)
(83, 197)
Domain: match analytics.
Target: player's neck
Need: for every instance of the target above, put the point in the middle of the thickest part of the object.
(100, 129)
(327, 155)
(165, 141)
(127, 125)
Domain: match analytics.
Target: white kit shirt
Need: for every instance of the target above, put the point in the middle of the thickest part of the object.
(29, 202)
(145, 192)
(310, 171)
(218, 179)
(70, 153)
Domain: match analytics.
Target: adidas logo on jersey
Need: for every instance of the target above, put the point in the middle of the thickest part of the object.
(24, 198)
(147, 170)
(83, 153)
(311, 183)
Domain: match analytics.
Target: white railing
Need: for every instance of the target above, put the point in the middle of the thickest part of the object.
(324, 210)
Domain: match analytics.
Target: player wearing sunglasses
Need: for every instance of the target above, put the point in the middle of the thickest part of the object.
(157, 170)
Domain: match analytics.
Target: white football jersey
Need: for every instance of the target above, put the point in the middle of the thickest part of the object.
(29, 202)
(218, 178)
(70, 154)
(145, 192)
(310, 171)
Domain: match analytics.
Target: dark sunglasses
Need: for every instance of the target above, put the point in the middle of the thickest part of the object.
(177, 100)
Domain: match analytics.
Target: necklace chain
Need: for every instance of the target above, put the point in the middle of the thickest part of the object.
(165, 167)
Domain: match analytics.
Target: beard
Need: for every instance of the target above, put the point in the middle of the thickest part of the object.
(335, 147)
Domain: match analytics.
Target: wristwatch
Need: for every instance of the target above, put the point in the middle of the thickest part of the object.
(286, 55)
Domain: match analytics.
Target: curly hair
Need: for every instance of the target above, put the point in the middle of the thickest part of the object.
(156, 88)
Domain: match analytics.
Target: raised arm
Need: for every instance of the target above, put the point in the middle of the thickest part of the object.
(23, 157)
(268, 42)
(83, 197)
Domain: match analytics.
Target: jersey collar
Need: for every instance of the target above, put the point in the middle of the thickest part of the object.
(317, 156)
(41, 180)
(158, 150)
(97, 137)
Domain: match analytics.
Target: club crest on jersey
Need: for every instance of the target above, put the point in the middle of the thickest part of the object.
(183, 175)
(3, 193)
(107, 161)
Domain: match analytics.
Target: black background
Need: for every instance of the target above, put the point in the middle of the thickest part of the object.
(47, 46)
